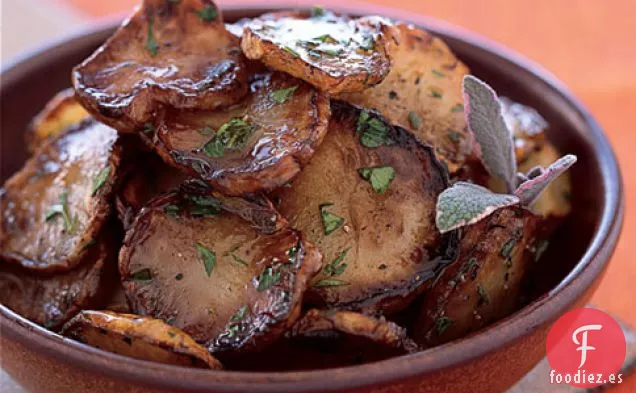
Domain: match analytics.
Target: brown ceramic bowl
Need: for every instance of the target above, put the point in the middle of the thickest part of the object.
(489, 361)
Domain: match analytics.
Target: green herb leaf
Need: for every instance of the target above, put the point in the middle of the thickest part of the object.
(415, 120)
(151, 44)
(325, 38)
(540, 248)
(290, 50)
(330, 221)
(89, 244)
(368, 42)
(172, 210)
(436, 94)
(282, 95)
(142, 275)
(172, 334)
(100, 179)
(330, 282)
(148, 128)
(438, 73)
(380, 177)
(454, 136)
(337, 267)
(457, 108)
(204, 206)
(530, 190)
(208, 13)
(267, 279)
(373, 132)
(442, 324)
(235, 258)
(239, 315)
(317, 12)
(62, 209)
(208, 257)
(483, 296)
(466, 203)
(232, 136)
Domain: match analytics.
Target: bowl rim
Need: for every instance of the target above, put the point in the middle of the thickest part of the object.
(541, 311)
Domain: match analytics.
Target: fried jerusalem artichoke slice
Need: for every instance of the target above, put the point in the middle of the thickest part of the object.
(59, 114)
(329, 338)
(334, 53)
(482, 285)
(423, 93)
(234, 283)
(138, 337)
(52, 299)
(57, 204)
(367, 200)
(169, 53)
(259, 144)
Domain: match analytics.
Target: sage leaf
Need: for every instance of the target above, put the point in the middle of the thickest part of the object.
(485, 120)
(466, 203)
(380, 177)
(530, 190)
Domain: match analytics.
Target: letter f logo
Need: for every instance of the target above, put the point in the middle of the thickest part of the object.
(583, 344)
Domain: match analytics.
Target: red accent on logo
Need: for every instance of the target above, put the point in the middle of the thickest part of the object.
(588, 345)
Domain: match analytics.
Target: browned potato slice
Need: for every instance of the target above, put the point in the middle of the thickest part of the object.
(334, 53)
(58, 202)
(190, 261)
(423, 93)
(527, 126)
(260, 144)
(327, 339)
(378, 236)
(482, 285)
(174, 53)
(51, 300)
(59, 114)
(138, 337)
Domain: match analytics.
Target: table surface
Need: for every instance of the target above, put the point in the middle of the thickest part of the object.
(588, 44)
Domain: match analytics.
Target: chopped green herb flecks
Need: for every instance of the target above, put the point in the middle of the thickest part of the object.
(337, 267)
(330, 282)
(208, 257)
(235, 258)
(373, 132)
(415, 120)
(330, 221)
(539, 249)
(325, 38)
(208, 13)
(380, 177)
(62, 209)
(454, 136)
(89, 244)
(483, 296)
(172, 334)
(142, 275)
(438, 73)
(100, 179)
(240, 314)
(436, 94)
(457, 108)
(172, 210)
(317, 12)
(442, 324)
(282, 95)
(292, 51)
(506, 249)
(368, 42)
(205, 206)
(151, 44)
(267, 279)
(232, 136)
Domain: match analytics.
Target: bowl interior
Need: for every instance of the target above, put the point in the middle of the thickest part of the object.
(27, 87)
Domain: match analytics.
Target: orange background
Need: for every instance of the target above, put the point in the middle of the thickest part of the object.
(588, 44)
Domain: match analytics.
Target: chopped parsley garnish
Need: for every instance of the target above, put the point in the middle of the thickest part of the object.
(442, 324)
(317, 12)
(208, 257)
(483, 296)
(327, 51)
(148, 128)
(325, 38)
(267, 279)
(232, 136)
(172, 210)
(368, 42)
(438, 73)
(204, 206)
(380, 177)
(100, 179)
(61, 209)
(240, 314)
(208, 13)
(457, 108)
(151, 43)
(142, 275)
(172, 334)
(290, 50)
(506, 249)
(282, 95)
(330, 282)
(436, 94)
(415, 120)
(235, 258)
(330, 221)
(373, 132)
(337, 267)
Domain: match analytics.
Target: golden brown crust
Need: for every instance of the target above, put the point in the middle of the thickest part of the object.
(333, 53)
(168, 53)
(216, 276)
(138, 337)
(59, 201)
(423, 93)
(483, 284)
(386, 245)
(59, 114)
(275, 138)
